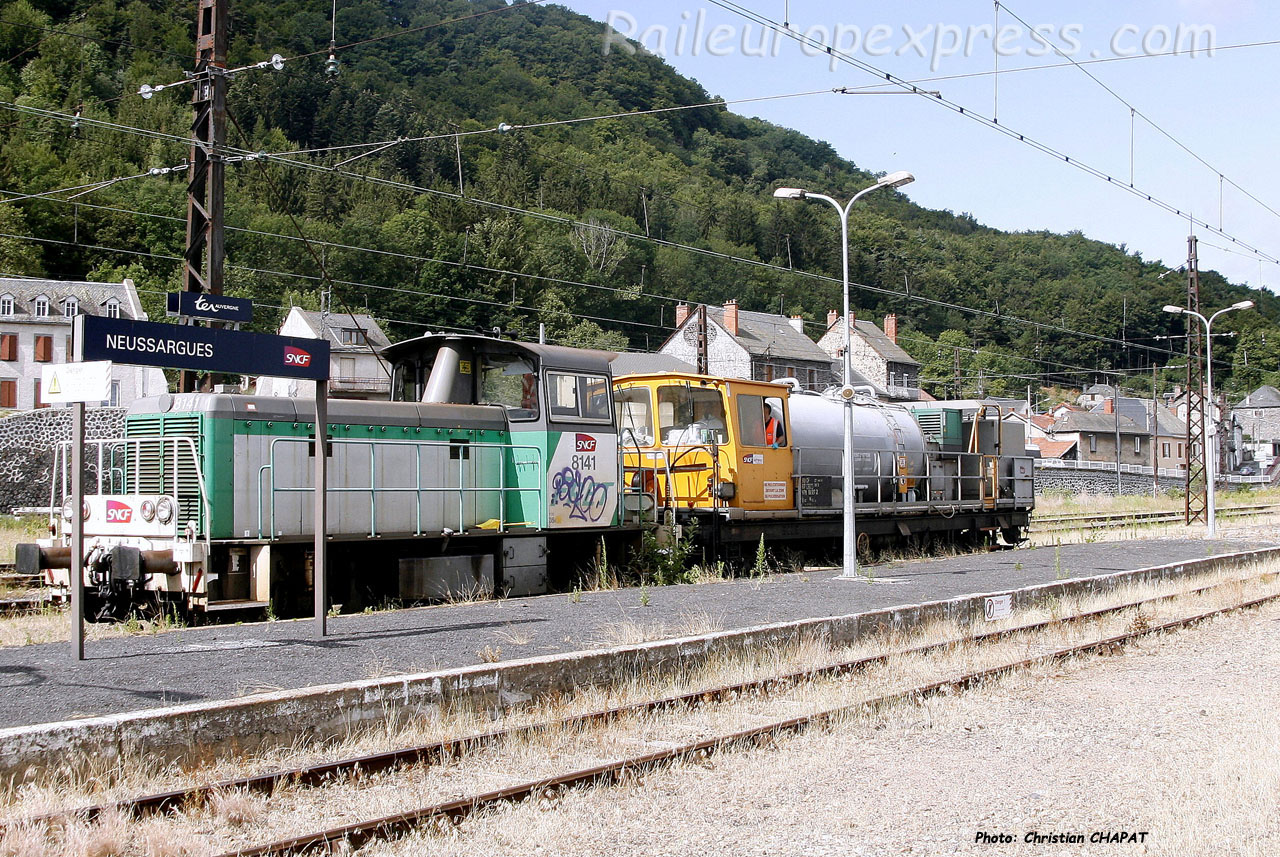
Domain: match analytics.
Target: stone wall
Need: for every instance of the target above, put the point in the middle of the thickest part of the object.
(27, 441)
(1064, 481)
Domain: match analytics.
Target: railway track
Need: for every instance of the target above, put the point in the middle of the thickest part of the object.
(1056, 523)
(440, 752)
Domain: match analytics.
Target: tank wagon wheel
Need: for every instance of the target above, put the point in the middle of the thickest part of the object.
(1013, 536)
(863, 542)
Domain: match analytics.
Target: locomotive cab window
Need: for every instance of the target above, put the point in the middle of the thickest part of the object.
(687, 415)
(511, 382)
(635, 417)
(760, 421)
(578, 397)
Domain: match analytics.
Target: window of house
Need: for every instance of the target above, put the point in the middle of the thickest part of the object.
(346, 367)
(351, 336)
(1093, 443)
(1179, 450)
(9, 346)
(67, 355)
(36, 400)
(42, 307)
(44, 349)
(1164, 450)
(8, 394)
(114, 401)
(70, 307)
(813, 379)
(112, 308)
(1137, 444)
(6, 306)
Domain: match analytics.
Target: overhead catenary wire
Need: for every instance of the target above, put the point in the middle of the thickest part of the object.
(837, 54)
(1134, 111)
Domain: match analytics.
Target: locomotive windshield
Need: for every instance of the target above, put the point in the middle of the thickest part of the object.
(511, 382)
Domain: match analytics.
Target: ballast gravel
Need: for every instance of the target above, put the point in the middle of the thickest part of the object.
(1170, 747)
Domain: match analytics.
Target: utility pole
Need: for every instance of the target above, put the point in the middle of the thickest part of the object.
(1197, 498)
(702, 339)
(1155, 434)
(203, 263)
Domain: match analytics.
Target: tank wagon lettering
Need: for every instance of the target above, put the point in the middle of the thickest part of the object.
(585, 498)
(153, 345)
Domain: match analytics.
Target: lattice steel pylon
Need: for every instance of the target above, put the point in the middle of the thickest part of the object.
(1197, 488)
(205, 253)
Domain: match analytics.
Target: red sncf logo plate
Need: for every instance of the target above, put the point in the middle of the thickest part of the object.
(584, 443)
(118, 513)
(296, 357)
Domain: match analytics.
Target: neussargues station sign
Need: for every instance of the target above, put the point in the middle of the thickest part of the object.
(204, 349)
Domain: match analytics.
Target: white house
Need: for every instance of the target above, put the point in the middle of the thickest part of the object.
(355, 369)
(875, 355)
(35, 329)
(759, 346)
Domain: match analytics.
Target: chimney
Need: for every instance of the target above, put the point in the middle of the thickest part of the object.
(731, 317)
(797, 321)
(891, 327)
(832, 318)
(682, 312)
(1109, 406)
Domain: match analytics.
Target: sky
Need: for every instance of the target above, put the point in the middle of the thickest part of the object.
(1219, 105)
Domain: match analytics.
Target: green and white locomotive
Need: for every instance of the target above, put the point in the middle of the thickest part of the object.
(494, 463)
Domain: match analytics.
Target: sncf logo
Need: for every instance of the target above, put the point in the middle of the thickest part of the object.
(118, 513)
(584, 443)
(296, 356)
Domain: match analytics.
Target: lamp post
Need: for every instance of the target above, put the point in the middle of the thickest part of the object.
(849, 491)
(1211, 454)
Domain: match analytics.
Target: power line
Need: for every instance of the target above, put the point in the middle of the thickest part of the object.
(889, 78)
(242, 156)
(1136, 112)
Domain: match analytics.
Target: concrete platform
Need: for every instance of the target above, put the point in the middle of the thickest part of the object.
(236, 686)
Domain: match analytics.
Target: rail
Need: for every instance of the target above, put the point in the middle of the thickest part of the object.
(462, 489)
(118, 458)
(328, 771)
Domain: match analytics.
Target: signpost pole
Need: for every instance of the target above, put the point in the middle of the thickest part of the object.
(319, 570)
(77, 530)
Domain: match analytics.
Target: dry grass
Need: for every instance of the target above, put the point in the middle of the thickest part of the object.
(15, 530)
(232, 818)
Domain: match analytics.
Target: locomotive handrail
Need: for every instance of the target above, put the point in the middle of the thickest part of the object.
(61, 467)
(418, 489)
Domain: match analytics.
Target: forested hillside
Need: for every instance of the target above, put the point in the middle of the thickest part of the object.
(585, 227)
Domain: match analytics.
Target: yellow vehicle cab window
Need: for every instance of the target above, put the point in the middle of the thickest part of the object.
(689, 416)
(760, 421)
(635, 417)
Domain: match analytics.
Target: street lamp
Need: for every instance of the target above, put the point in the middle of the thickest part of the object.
(897, 179)
(1211, 454)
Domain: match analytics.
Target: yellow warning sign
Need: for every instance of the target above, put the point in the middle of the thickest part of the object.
(464, 367)
(54, 386)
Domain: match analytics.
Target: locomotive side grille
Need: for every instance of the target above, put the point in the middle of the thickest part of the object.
(153, 469)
